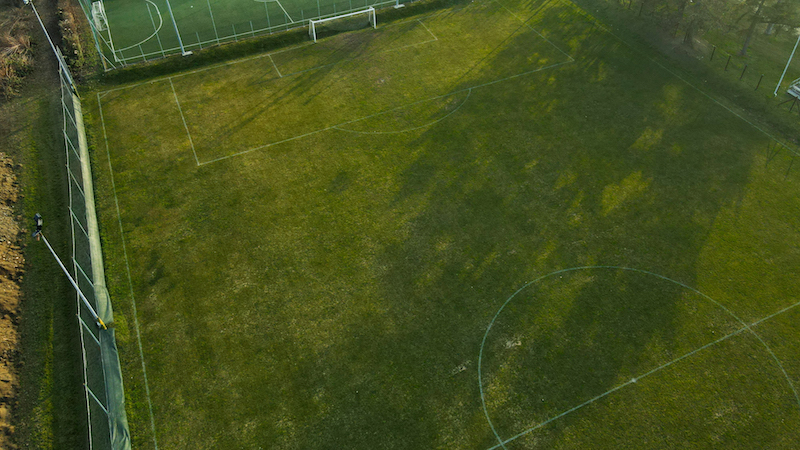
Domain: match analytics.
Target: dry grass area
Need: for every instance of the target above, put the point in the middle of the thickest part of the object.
(15, 48)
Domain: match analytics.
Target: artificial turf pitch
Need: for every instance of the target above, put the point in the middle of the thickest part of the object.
(498, 225)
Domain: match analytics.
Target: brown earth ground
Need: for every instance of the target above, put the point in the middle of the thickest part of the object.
(11, 269)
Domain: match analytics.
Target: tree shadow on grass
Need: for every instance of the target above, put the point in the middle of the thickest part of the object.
(607, 161)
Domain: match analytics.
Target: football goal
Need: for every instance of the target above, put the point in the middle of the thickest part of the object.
(99, 16)
(343, 22)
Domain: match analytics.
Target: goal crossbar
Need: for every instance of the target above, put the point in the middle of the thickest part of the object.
(312, 23)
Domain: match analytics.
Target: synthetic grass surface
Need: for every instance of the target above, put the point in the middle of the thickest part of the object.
(316, 258)
(145, 27)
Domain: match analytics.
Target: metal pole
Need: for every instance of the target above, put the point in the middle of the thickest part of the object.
(74, 284)
(52, 46)
(177, 33)
(775, 94)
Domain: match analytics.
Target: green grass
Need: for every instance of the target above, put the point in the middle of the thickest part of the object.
(299, 285)
(205, 23)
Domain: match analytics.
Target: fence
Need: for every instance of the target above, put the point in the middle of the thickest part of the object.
(131, 31)
(105, 399)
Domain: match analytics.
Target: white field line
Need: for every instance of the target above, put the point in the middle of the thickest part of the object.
(284, 11)
(612, 390)
(186, 127)
(469, 92)
(525, 22)
(130, 279)
(338, 125)
(744, 327)
(157, 29)
(275, 66)
(428, 29)
(600, 26)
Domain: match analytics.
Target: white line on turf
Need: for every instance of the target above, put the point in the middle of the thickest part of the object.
(469, 92)
(186, 127)
(744, 327)
(275, 66)
(157, 29)
(525, 22)
(130, 279)
(611, 391)
(261, 147)
(428, 29)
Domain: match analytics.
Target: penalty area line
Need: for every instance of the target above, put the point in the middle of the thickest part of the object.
(186, 127)
(336, 126)
(275, 66)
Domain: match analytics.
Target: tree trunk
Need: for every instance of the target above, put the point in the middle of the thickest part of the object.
(770, 29)
(752, 29)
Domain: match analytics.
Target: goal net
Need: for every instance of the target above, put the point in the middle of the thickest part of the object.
(343, 22)
(99, 16)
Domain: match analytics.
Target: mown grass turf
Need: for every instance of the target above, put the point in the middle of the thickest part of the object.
(305, 279)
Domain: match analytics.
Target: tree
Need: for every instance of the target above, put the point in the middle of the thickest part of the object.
(774, 12)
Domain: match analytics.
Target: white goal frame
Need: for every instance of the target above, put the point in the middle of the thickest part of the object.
(99, 16)
(312, 23)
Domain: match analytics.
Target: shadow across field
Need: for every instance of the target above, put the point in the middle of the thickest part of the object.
(606, 161)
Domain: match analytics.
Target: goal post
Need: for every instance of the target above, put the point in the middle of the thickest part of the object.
(370, 12)
(99, 16)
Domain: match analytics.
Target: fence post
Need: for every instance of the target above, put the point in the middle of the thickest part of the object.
(743, 71)
(759, 81)
(714, 50)
(726, 64)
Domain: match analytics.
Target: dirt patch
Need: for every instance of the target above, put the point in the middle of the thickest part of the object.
(11, 270)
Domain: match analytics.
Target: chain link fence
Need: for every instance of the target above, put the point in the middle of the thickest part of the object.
(104, 395)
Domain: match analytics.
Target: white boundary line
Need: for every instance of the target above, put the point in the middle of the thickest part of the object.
(426, 28)
(275, 66)
(160, 23)
(744, 327)
(469, 92)
(186, 127)
(130, 278)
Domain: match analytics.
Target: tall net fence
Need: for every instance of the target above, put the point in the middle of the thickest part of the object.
(131, 31)
(104, 395)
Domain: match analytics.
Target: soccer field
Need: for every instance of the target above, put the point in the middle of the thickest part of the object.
(493, 226)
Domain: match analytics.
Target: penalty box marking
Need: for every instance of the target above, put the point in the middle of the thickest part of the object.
(570, 59)
(339, 126)
(744, 327)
